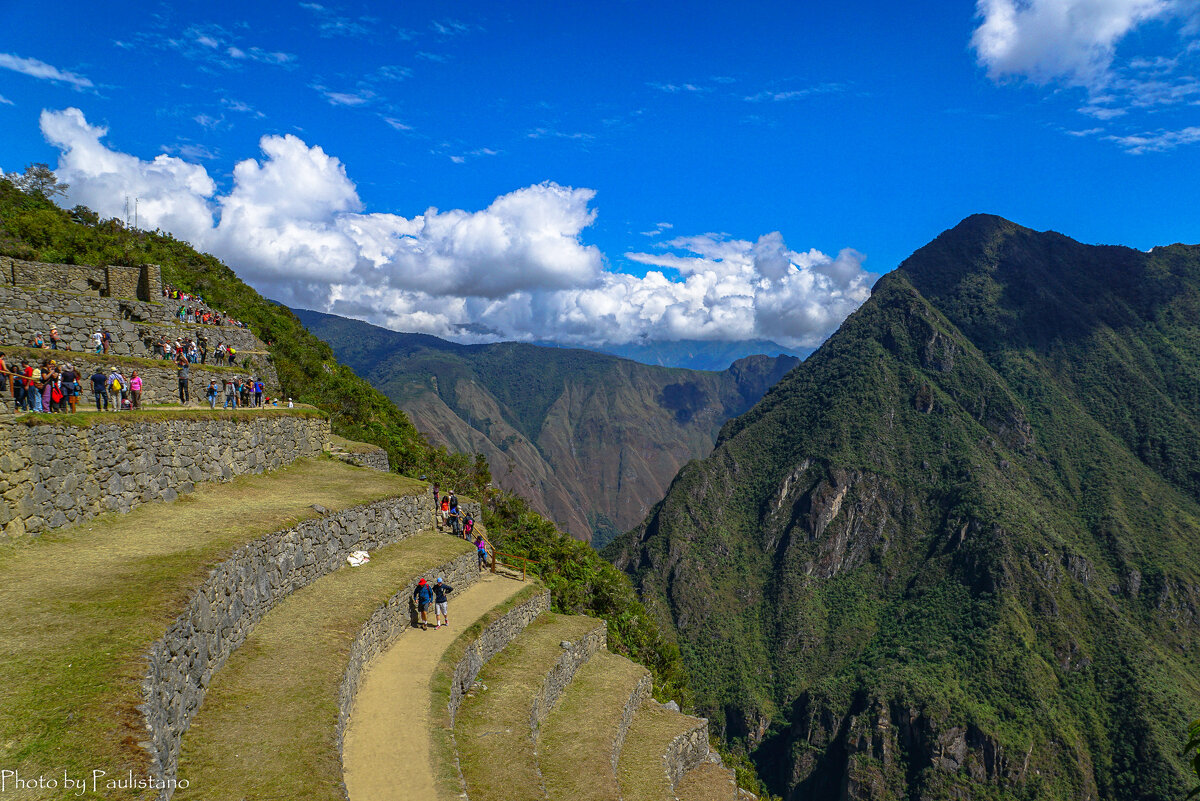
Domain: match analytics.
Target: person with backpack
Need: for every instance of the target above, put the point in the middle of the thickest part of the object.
(117, 387)
(213, 392)
(70, 382)
(481, 551)
(423, 595)
(468, 527)
(100, 388)
(440, 590)
(230, 394)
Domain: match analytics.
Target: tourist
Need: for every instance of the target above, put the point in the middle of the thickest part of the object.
(100, 388)
(97, 342)
(117, 387)
(445, 511)
(135, 390)
(183, 372)
(34, 386)
(468, 527)
(258, 392)
(18, 384)
(212, 393)
(54, 337)
(3, 376)
(440, 590)
(481, 551)
(106, 339)
(38, 341)
(244, 392)
(230, 394)
(70, 384)
(423, 596)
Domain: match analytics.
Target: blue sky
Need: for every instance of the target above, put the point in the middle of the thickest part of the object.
(607, 172)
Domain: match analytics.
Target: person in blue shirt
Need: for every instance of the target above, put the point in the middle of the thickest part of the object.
(423, 595)
(441, 616)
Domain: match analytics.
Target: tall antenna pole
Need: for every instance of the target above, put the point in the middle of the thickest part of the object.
(135, 212)
(127, 211)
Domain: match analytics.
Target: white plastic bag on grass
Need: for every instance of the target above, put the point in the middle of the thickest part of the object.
(358, 558)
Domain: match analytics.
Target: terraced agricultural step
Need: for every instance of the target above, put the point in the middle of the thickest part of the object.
(582, 737)
(707, 782)
(79, 608)
(643, 771)
(496, 728)
(267, 728)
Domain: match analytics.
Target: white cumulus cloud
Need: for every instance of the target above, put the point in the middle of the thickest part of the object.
(1045, 40)
(293, 226)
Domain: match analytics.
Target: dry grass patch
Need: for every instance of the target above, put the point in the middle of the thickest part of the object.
(80, 606)
(492, 730)
(641, 771)
(153, 413)
(576, 745)
(707, 782)
(267, 727)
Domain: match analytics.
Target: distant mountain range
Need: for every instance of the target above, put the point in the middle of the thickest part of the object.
(695, 354)
(955, 554)
(591, 439)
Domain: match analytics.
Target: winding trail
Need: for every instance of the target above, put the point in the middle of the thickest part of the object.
(386, 754)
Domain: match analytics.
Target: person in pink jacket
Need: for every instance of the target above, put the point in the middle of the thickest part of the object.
(135, 390)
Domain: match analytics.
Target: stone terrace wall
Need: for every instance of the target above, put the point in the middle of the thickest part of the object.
(135, 325)
(143, 282)
(491, 641)
(237, 594)
(687, 751)
(52, 475)
(159, 383)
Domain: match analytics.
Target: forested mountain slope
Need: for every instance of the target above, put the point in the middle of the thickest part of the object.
(592, 440)
(956, 553)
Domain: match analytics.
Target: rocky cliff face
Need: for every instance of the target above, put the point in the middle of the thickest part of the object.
(591, 440)
(921, 566)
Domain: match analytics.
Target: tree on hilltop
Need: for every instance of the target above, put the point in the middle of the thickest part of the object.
(38, 179)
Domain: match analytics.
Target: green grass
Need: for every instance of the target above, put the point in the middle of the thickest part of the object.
(641, 771)
(267, 728)
(576, 744)
(493, 725)
(443, 751)
(80, 606)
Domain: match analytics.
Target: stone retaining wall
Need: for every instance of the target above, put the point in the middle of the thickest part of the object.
(53, 474)
(641, 694)
(135, 325)
(237, 594)
(491, 641)
(143, 281)
(574, 655)
(686, 751)
(375, 459)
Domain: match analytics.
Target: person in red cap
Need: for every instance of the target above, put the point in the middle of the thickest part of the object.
(423, 595)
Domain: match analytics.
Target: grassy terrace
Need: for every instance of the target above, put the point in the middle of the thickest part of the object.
(641, 771)
(267, 726)
(80, 606)
(152, 413)
(493, 725)
(18, 352)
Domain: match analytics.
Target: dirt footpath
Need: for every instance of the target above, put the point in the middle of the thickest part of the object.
(387, 749)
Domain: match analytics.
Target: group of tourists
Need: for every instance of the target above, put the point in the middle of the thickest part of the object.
(194, 351)
(47, 386)
(52, 342)
(239, 393)
(427, 595)
(199, 314)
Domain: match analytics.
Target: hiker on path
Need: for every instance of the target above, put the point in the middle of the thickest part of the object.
(423, 595)
(100, 388)
(468, 527)
(481, 550)
(117, 387)
(444, 514)
(230, 394)
(440, 590)
(70, 381)
(213, 392)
